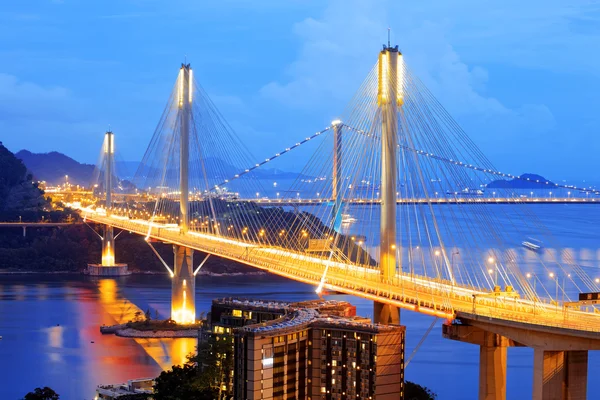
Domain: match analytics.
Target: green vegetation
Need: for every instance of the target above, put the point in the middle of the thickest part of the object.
(145, 322)
(182, 382)
(17, 192)
(44, 393)
(206, 375)
(413, 391)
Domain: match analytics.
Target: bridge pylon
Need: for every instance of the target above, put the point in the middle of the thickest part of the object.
(389, 99)
(108, 267)
(337, 189)
(183, 286)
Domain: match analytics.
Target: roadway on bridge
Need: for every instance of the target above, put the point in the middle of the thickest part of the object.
(417, 293)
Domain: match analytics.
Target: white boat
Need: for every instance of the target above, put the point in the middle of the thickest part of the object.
(348, 219)
(532, 244)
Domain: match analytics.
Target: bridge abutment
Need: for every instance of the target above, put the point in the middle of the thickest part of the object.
(560, 367)
(183, 286)
(560, 375)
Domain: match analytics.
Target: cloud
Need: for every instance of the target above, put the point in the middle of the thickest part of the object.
(22, 99)
(340, 47)
(43, 118)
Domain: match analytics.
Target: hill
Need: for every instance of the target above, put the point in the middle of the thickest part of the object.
(17, 192)
(534, 182)
(52, 168)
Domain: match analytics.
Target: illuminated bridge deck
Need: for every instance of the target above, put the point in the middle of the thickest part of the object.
(417, 293)
(441, 200)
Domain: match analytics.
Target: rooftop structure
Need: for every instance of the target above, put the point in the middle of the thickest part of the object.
(132, 386)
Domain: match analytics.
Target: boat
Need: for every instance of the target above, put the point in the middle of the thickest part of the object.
(348, 219)
(532, 244)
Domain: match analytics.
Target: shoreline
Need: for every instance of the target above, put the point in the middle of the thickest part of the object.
(215, 274)
(123, 330)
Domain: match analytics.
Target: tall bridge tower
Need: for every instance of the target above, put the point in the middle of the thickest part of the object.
(183, 299)
(108, 267)
(389, 99)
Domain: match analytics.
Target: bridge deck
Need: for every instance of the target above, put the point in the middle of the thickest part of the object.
(416, 293)
(441, 200)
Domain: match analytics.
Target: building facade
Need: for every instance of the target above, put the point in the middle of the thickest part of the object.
(309, 355)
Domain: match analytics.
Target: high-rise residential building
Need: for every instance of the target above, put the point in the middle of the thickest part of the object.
(308, 354)
(230, 313)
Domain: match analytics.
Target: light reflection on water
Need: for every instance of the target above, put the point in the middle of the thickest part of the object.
(50, 329)
(166, 352)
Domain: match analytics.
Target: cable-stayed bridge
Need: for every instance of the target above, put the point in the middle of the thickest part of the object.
(394, 154)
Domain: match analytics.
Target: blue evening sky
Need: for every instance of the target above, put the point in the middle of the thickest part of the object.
(521, 77)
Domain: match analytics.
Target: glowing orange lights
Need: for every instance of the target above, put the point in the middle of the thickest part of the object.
(108, 256)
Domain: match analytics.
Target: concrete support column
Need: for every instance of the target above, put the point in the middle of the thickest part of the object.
(577, 375)
(492, 367)
(183, 286)
(559, 375)
(24, 231)
(108, 247)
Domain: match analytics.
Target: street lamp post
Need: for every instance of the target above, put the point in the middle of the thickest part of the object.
(569, 194)
(492, 260)
(529, 276)
(553, 276)
(452, 265)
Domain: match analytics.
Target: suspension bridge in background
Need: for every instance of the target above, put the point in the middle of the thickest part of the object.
(386, 165)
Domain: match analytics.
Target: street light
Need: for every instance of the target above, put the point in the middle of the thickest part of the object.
(569, 193)
(552, 276)
(528, 275)
(550, 195)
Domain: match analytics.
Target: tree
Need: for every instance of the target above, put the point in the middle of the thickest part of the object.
(413, 391)
(215, 361)
(44, 393)
(181, 383)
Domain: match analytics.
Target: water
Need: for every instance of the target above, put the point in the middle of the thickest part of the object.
(48, 324)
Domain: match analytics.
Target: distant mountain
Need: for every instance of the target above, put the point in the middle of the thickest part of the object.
(52, 168)
(526, 181)
(218, 170)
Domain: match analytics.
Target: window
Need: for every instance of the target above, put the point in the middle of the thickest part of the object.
(237, 313)
(323, 390)
(334, 363)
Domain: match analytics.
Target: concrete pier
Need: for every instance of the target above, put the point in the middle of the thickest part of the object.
(183, 286)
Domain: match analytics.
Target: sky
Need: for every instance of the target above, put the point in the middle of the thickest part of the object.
(521, 77)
